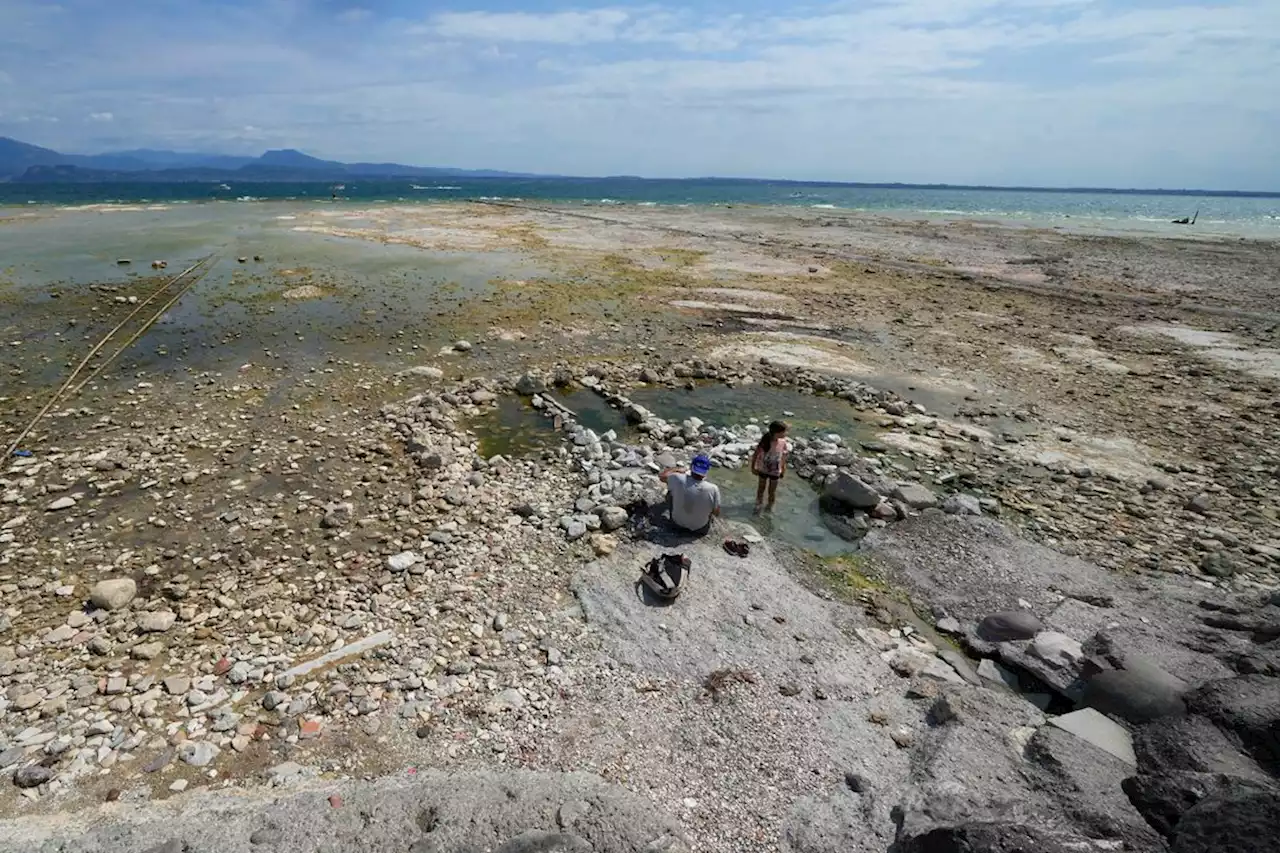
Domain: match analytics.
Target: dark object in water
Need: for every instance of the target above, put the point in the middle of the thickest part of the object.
(1185, 221)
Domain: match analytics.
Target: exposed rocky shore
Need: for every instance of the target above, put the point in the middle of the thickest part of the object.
(269, 607)
(312, 622)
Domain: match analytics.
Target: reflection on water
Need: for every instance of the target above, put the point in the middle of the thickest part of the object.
(722, 405)
(513, 428)
(370, 293)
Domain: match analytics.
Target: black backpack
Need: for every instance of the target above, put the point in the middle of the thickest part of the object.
(665, 575)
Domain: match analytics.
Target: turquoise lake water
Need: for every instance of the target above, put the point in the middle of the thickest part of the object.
(1238, 214)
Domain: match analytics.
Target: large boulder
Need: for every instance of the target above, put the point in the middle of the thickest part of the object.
(113, 594)
(981, 837)
(850, 492)
(961, 504)
(1248, 707)
(1163, 799)
(1139, 693)
(1084, 779)
(1009, 625)
(1243, 821)
(530, 384)
(1190, 743)
(915, 496)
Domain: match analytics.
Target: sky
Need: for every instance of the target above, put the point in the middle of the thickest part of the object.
(1122, 93)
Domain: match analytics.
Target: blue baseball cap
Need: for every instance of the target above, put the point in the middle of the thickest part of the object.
(700, 465)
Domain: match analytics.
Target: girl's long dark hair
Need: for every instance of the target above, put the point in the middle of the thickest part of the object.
(767, 440)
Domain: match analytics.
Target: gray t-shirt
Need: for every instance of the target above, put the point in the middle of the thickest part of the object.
(692, 501)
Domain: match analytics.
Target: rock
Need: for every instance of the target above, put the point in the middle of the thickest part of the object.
(848, 491)
(612, 518)
(403, 561)
(997, 674)
(530, 384)
(1247, 707)
(1056, 649)
(27, 701)
(909, 662)
(1162, 800)
(961, 504)
(337, 515)
(176, 685)
(1238, 822)
(225, 722)
(603, 544)
(1218, 564)
(11, 756)
(274, 699)
(950, 625)
(286, 773)
(157, 622)
(849, 528)
(113, 594)
(423, 371)
(159, 763)
(884, 511)
(915, 496)
(64, 502)
(575, 530)
(1102, 732)
(462, 346)
(198, 753)
(1009, 625)
(856, 782)
(981, 837)
(506, 701)
(1139, 693)
(31, 776)
(146, 651)
(1200, 504)
(1190, 743)
(1084, 781)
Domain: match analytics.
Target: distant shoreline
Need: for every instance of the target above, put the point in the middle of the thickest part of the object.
(326, 181)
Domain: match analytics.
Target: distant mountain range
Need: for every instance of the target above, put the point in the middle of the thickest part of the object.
(24, 163)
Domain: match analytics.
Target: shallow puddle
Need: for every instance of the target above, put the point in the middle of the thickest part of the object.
(722, 405)
(368, 300)
(515, 428)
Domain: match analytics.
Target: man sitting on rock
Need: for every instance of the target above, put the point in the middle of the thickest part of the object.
(692, 500)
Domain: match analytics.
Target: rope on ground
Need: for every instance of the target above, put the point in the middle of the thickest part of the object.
(151, 321)
(102, 343)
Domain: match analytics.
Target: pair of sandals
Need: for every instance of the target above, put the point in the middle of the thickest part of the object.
(737, 548)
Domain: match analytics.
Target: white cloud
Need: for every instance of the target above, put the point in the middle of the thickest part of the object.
(103, 116)
(1057, 91)
(595, 25)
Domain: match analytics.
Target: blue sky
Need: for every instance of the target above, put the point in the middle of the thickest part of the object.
(1058, 92)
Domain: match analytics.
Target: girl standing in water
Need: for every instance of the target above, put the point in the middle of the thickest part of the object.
(770, 462)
